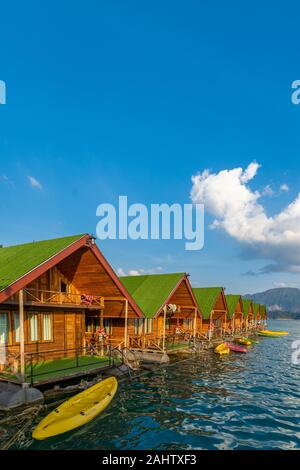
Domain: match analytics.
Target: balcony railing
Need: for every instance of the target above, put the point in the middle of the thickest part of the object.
(61, 298)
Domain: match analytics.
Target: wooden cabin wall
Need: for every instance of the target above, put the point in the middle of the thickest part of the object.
(182, 296)
(238, 319)
(67, 333)
(85, 272)
(48, 281)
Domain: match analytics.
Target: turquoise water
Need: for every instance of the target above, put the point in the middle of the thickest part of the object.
(249, 401)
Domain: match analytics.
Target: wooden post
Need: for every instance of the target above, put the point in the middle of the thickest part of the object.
(164, 329)
(210, 325)
(22, 335)
(101, 328)
(195, 323)
(126, 323)
(233, 323)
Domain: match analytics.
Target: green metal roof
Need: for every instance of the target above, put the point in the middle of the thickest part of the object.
(17, 261)
(246, 304)
(150, 292)
(206, 298)
(232, 303)
(255, 310)
(263, 311)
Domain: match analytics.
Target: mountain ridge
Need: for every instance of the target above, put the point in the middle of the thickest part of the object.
(281, 302)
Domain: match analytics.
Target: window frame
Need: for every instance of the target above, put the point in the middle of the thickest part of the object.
(42, 314)
(13, 331)
(6, 312)
(40, 328)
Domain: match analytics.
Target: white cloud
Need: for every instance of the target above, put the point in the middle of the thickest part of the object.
(135, 272)
(275, 308)
(120, 272)
(268, 191)
(237, 210)
(284, 187)
(138, 272)
(5, 180)
(284, 284)
(34, 183)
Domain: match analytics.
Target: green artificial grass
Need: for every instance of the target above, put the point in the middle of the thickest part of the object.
(172, 347)
(63, 367)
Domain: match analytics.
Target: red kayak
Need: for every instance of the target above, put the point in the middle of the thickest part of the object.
(236, 348)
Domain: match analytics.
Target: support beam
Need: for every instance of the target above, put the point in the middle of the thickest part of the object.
(210, 325)
(164, 329)
(126, 324)
(101, 328)
(22, 335)
(195, 323)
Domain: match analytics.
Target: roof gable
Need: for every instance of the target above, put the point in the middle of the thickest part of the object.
(255, 310)
(207, 298)
(152, 291)
(232, 303)
(19, 260)
(21, 264)
(247, 304)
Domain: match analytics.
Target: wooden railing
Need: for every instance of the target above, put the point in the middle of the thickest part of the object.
(59, 298)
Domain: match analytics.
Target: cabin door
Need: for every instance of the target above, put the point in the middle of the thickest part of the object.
(70, 332)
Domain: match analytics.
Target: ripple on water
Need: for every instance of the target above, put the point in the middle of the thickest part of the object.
(249, 401)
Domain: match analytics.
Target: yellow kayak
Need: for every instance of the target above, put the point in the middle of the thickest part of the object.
(244, 341)
(274, 333)
(222, 349)
(77, 411)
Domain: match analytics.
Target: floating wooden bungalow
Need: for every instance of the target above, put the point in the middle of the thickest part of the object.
(263, 315)
(248, 313)
(256, 315)
(55, 295)
(170, 311)
(235, 312)
(213, 306)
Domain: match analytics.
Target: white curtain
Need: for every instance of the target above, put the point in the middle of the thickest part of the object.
(33, 321)
(17, 327)
(47, 327)
(3, 337)
(3, 328)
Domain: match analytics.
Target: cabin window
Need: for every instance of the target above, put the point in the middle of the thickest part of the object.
(188, 323)
(3, 328)
(107, 325)
(33, 327)
(63, 287)
(16, 327)
(92, 324)
(168, 323)
(47, 326)
(148, 326)
(138, 326)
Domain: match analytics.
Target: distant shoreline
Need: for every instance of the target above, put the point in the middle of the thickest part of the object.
(296, 319)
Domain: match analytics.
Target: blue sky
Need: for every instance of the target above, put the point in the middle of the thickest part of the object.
(109, 98)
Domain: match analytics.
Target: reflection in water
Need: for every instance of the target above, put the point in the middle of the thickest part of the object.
(248, 401)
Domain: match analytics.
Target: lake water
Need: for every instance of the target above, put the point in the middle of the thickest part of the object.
(241, 401)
